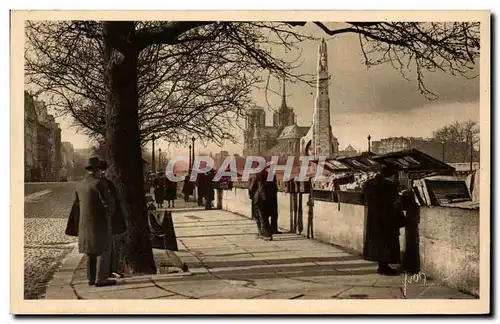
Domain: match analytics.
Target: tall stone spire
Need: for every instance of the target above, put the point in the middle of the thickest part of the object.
(321, 138)
(283, 96)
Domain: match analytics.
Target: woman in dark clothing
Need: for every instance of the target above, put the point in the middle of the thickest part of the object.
(383, 221)
(187, 188)
(159, 184)
(209, 189)
(171, 192)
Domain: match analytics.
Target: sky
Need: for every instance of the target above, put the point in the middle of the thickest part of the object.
(377, 101)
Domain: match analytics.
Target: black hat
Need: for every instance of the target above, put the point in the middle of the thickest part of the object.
(93, 163)
(103, 165)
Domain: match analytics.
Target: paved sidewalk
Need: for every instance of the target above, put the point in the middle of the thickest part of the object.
(228, 261)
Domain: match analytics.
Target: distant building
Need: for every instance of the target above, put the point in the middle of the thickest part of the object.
(285, 137)
(450, 152)
(349, 151)
(42, 139)
(30, 138)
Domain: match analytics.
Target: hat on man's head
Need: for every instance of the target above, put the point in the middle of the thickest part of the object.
(103, 165)
(93, 163)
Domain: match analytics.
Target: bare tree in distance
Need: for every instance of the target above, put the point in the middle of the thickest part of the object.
(462, 135)
(449, 47)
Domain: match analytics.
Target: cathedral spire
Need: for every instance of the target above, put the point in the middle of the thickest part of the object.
(283, 96)
(322, 141)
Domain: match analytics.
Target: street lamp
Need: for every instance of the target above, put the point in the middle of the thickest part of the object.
(442, 143)
(471, 149)
(153, 166)
(369, 143)
(192, 140)
(190, 158)
(159, 159)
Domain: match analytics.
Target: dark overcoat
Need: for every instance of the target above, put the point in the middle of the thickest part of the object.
(187, 187)
(209, 186)
(264, 193)
(171, 190)
(382, 221)
(117, 217)
(90, 207)
(272, 193)
(159, 190)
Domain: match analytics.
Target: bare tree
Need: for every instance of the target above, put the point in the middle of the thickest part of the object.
(123, 45)
(199, 86)
(463, 137)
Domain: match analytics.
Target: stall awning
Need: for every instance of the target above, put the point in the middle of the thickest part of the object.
(334, 166)
(413, 161)
(362, 163)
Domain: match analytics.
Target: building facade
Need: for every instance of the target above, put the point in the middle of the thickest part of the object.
(285, 137)
(42, 142)
(30, 137)
(449, 152)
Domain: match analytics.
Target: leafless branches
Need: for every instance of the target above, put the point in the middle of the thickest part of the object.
(197, 77)
(199, 83)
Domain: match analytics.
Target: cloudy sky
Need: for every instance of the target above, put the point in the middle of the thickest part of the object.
(376, 101)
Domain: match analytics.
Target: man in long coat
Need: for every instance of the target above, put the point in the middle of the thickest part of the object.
(209, 188)
(272, 191)
(118, 226)
(187, 188)
(259, 193)
(90, 208)
(382, 222)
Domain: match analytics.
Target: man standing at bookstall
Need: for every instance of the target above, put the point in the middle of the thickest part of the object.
(383, 221)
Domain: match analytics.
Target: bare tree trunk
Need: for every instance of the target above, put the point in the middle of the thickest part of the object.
(123, 142)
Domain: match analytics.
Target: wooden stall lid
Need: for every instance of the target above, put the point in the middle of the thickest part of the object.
(414, 161)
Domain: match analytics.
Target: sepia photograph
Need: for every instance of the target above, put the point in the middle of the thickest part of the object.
(222, 159)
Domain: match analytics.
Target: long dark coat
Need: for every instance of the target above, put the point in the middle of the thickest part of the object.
(209, 186)
(117, 218)
(159, 190)
(382, 222)
(187, 187)
(200, 185)
(272, 193)
(264, 193)
(171, 190)
(91, 211)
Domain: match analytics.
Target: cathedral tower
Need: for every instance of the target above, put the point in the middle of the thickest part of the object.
(321, 133)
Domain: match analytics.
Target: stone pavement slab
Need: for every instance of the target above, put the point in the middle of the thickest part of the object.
(228, 261)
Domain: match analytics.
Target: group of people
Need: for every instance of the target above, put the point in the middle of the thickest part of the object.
(164, 189)
(264, 195)
(97, 219)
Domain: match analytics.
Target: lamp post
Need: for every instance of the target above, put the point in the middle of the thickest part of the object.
(159, 159)
(369, 143)
(153, 166)
(442, 151)
(192, 140)
(190, 158)
(471, 149)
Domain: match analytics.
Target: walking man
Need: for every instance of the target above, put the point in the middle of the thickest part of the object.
(259, 193)
(91, 212)
(118, 226)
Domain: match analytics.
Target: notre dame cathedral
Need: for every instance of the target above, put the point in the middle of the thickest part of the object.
(285, 137)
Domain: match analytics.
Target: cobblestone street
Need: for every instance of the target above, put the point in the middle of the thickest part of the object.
(45, 244)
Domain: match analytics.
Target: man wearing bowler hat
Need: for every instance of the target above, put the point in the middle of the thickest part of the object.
(94, 224)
